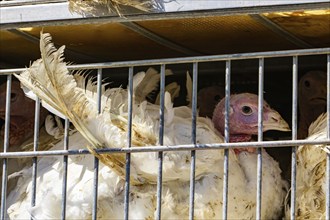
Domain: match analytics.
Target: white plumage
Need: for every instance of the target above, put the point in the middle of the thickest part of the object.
(311, 174)
(50, 80)
(311, 159)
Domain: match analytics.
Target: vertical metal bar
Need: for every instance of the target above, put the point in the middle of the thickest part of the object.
(327, 210)
(129, 142)
(99, 90)
(35, 148)
(96, 161)
(161, 142)
(65, 168)
(260, 135)
(193, 140)
(95, 186)
(5, 148)
(226, 152)
(294, 134)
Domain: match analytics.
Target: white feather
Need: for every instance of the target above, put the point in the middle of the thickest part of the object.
(189, 87)
(311, 174)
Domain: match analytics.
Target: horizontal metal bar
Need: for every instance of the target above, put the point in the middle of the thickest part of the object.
(239, 56)
(178, 5)
(10, 3)
(186, 147)
(29, 14)
(32, 16)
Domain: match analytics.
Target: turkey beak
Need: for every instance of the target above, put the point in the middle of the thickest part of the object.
(274, 121)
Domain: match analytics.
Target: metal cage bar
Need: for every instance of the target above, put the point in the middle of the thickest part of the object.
(161, 142)
(5, 148)
(35, 148)
(327, 216)
(96, 160)
(193, 140)
(65, 167)
(129, 142)
(260, 135)
(95, 187)
(165, 148)
(226, 152)
(36, 15)
(199, 59)
(294, 134)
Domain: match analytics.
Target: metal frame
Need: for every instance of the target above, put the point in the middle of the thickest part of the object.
(193, 146)
(32, 15)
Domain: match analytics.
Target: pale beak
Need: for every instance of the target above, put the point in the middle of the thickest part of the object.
(274, 121)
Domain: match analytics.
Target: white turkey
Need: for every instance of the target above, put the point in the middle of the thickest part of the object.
(311, 174)
(50, 80)
(311, 159)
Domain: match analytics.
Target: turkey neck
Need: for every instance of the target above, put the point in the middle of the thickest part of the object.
(239, 138)
(307, 116)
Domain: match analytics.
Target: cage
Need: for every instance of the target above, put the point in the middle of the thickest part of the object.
(263, 48)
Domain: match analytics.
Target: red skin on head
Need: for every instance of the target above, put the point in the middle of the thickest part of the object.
(243, 117)
(243, 114)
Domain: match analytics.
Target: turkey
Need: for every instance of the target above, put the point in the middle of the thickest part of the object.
(53, 129)
(312, 99)
(311, 174)
(311, 159)
(312, 102)
(108, 129)
(21, 119)
(208, 98)
(21, 129)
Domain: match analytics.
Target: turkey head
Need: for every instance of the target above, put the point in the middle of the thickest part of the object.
(312, 99)
(243, 118)
(21, 114)
(208, 98)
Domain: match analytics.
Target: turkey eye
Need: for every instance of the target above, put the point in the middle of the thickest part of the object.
(307, 83)
(217, 98)
(246, 110)
(13, 97)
